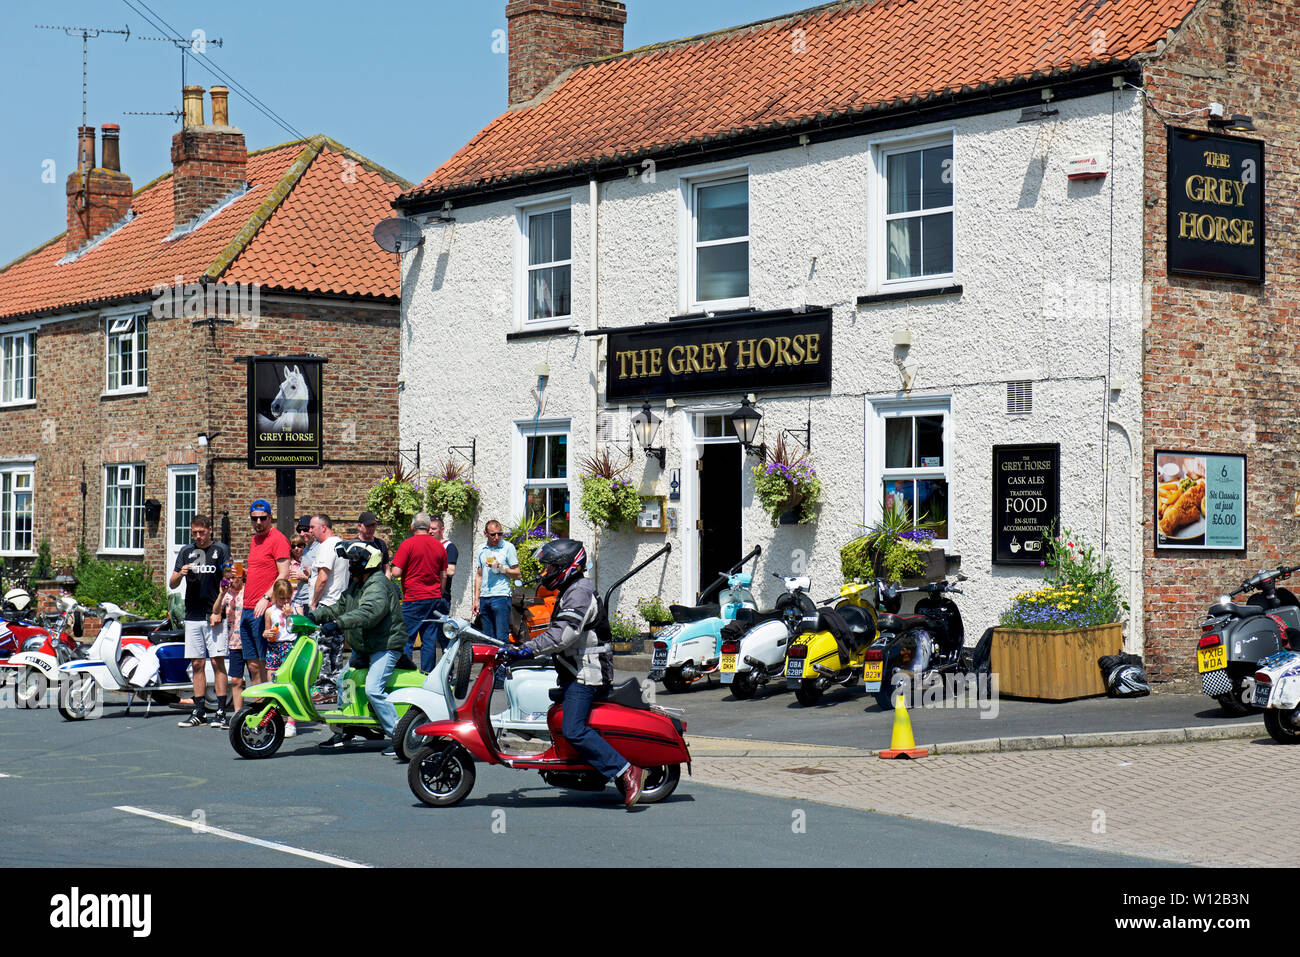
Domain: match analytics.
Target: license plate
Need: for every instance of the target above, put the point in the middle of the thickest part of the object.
(794, 668)
(1262, 692)
(1212, 659)
(873, 671)
(728, 663)
(660, 658)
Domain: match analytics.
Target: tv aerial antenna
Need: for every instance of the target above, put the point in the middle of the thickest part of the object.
(185, 46)
(86, 34)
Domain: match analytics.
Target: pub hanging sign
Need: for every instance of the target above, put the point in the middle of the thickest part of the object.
(1216, 206)
(787, 350)
(285, 412)
(1026, 501)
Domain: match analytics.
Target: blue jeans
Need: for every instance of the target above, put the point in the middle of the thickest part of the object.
(250, 630)
(381, 667)
(495, 610)
(578, 699)
(417, 615)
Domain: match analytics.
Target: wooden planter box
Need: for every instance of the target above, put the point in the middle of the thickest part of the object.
(1053, 665)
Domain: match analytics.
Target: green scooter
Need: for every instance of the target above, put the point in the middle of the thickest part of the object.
(257, 729)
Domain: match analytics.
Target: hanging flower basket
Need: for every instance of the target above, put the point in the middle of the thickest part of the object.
(787, 487)
(452, 493)
(608, 501)
(395, 499)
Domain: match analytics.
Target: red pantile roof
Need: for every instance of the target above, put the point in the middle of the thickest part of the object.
(305, 225)
(838, 60)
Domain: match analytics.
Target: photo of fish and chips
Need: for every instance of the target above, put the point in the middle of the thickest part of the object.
(1180, 498)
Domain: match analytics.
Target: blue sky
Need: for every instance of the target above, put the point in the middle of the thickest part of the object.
(404, 82)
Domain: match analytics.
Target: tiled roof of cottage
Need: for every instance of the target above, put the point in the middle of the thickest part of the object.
(304, 225)
(830, 62)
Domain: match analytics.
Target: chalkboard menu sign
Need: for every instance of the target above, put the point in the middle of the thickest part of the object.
(1026, 501)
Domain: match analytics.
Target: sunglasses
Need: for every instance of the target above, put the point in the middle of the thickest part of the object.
(260, 518)
(495, 534)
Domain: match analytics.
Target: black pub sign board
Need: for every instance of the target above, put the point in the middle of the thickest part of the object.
(700, 357)
(1026, 501)
(285, 412)
(1216, 206)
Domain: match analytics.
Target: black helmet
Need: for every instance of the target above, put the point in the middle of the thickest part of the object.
(563, 560)
(362, 557)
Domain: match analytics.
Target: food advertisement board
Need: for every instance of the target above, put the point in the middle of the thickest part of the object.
(1200, 501)
(1026, 501)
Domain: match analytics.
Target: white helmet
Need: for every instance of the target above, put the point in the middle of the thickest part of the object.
(19, 599)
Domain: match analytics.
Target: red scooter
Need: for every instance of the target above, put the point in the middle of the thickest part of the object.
(441, 774)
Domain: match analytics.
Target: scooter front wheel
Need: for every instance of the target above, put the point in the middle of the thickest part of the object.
(1279, 726)
(405, 741)
(657, 783)
(257, 741)
(79, 697)
(441, 774)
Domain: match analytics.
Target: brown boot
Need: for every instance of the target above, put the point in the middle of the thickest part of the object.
(631, 786)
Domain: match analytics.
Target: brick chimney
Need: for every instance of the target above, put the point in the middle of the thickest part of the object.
(98, 197)
(548, 37)
(209, 162)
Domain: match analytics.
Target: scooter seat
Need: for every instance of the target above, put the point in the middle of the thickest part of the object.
(859, 623)
(628, 694)
(1235, 610)
(685, 614)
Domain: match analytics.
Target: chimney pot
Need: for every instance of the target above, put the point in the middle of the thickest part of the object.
(548, 37)
(112, 158)
(85, 147)
(220, 106)
(193, 99)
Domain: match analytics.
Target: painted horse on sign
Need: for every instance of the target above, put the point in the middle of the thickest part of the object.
(290, 405)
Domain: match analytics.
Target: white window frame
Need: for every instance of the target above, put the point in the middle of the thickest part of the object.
(8, 516)
(140, 366)
(524, 269)
(878, 411)
(688, 282)
(519, 482)
(878, 213)
(174, 472)
(26, 376)
(138, 487)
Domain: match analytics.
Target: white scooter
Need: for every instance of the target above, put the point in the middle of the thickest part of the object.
(758, 656)
(35, 669)
(1277, 691)
(156, 673)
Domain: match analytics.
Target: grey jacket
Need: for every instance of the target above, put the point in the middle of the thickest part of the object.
(572, 640)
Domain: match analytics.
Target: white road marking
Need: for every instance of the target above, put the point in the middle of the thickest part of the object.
(221, 832)
(4, 775)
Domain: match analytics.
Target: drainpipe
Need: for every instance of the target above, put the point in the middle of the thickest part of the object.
(1134, 540)
(593, 278)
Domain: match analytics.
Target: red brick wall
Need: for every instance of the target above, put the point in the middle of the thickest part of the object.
(549, 36)
(1221, 371)
(196, 385)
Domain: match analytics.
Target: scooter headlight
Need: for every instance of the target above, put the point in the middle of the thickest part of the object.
(450, 629)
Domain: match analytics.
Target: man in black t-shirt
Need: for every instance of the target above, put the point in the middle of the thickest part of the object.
(367, 523)
(202, 565)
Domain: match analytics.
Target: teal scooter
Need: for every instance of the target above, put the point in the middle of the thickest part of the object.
(689, 650)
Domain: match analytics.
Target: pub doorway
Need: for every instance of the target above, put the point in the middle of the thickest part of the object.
(719, 497)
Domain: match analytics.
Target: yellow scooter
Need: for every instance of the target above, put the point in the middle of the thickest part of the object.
(816, 660)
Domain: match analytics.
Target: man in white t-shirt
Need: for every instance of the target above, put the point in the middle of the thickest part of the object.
(331, 579)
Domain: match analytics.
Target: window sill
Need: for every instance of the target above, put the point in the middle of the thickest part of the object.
(543, 332)
(107, 553)
(17, 554)
(24, 404)
(123, 393)
(930, 292)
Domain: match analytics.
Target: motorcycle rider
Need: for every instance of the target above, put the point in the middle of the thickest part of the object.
(585, 663)
(369, 614)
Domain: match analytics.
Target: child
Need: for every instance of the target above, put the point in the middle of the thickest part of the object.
(279, 636)
(229, 607)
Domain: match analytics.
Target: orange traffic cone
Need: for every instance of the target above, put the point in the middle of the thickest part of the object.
(903, 745)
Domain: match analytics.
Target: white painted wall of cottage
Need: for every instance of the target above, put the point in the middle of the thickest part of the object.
(1034, 254)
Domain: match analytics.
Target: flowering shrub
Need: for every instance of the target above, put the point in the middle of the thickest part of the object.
(787, 483)
(654, 611)
(608, 500)
(395, 499)
(623, 628)
(528, 536)
(893, 549)
(1081, 590)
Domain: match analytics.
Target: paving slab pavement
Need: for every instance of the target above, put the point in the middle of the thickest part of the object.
(1155, 801)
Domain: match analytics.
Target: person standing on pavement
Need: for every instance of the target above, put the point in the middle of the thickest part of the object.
(330, 571)
(496, 566)
(303, 579)
(421, 562)
(366, 526)
(268, 562)
(438, 530)
(201, 567)
(369, 615)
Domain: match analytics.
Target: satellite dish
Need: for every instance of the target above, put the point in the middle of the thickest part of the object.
(398, 235)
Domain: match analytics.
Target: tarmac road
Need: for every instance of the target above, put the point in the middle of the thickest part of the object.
(68, 789)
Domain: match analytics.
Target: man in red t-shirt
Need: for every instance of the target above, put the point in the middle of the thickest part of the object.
(268, 562)
(420, 562)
